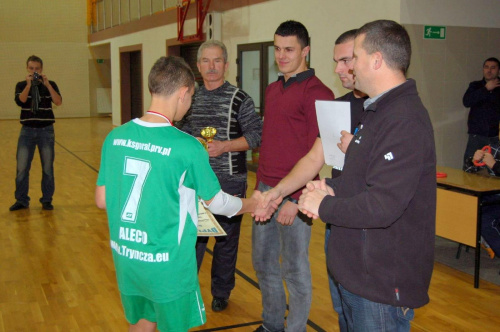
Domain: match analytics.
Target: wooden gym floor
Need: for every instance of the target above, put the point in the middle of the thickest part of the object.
(57, 272)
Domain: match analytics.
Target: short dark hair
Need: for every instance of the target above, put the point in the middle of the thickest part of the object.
(294, 28)
(346, 37)
(168, 75)
(389, 38)
(34, 58)
(492, 59)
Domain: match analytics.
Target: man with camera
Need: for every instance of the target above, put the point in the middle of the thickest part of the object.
(35, 96)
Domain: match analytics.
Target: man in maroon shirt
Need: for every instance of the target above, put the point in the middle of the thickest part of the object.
(290, 130)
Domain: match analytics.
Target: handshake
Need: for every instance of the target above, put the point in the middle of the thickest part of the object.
(268, 202)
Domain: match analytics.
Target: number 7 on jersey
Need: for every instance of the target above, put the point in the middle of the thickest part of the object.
(139, 169)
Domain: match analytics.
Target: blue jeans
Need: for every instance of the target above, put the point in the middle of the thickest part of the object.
(334, 287)
(225, 247)
(29, 139)
(364, 315)
(477, 142)
(270, 241)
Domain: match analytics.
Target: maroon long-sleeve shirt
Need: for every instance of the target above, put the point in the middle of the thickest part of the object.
(290, 125)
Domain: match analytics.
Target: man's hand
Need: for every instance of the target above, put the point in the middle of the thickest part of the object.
(309, 202)
(311, 185)
(312, 196)
(489, 160)
(318, 184)
(492, 84)
(287, 213)
(345, 140)
(483, 156)
(29, 79)
(270, 196)
(262, 213)
(216, 148)
(479, 155)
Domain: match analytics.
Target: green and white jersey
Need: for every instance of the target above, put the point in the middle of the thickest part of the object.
(153, 175)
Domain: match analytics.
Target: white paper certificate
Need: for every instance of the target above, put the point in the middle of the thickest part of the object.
(207, 224)
(333, 117)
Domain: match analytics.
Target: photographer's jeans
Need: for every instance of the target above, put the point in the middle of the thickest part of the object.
(270, 240)
(29, 139)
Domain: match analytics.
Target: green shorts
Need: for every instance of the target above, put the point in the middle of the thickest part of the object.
(179, 315)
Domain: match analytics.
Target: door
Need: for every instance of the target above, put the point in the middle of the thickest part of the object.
(256, 70)
(131, 83)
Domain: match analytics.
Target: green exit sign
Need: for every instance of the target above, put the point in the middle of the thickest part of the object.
(100, 60)
(434, 32)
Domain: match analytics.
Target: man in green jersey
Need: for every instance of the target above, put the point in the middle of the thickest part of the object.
(150, 178)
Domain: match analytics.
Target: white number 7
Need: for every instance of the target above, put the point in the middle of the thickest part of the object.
(139, 169)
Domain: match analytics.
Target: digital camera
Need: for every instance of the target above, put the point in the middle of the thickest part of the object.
(37, 79)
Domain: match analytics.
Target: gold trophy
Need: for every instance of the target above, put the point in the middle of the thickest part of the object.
(208, 133)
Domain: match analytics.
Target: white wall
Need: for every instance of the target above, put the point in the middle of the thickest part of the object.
(57, 33)
(464, 13)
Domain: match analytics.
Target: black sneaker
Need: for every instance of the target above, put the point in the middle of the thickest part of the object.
(18, 206)
(47, 206)
(219, 304)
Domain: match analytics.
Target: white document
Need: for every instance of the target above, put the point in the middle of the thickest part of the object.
(333, 117)
(207, 224)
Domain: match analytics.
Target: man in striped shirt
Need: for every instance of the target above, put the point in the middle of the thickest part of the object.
(231, 112)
